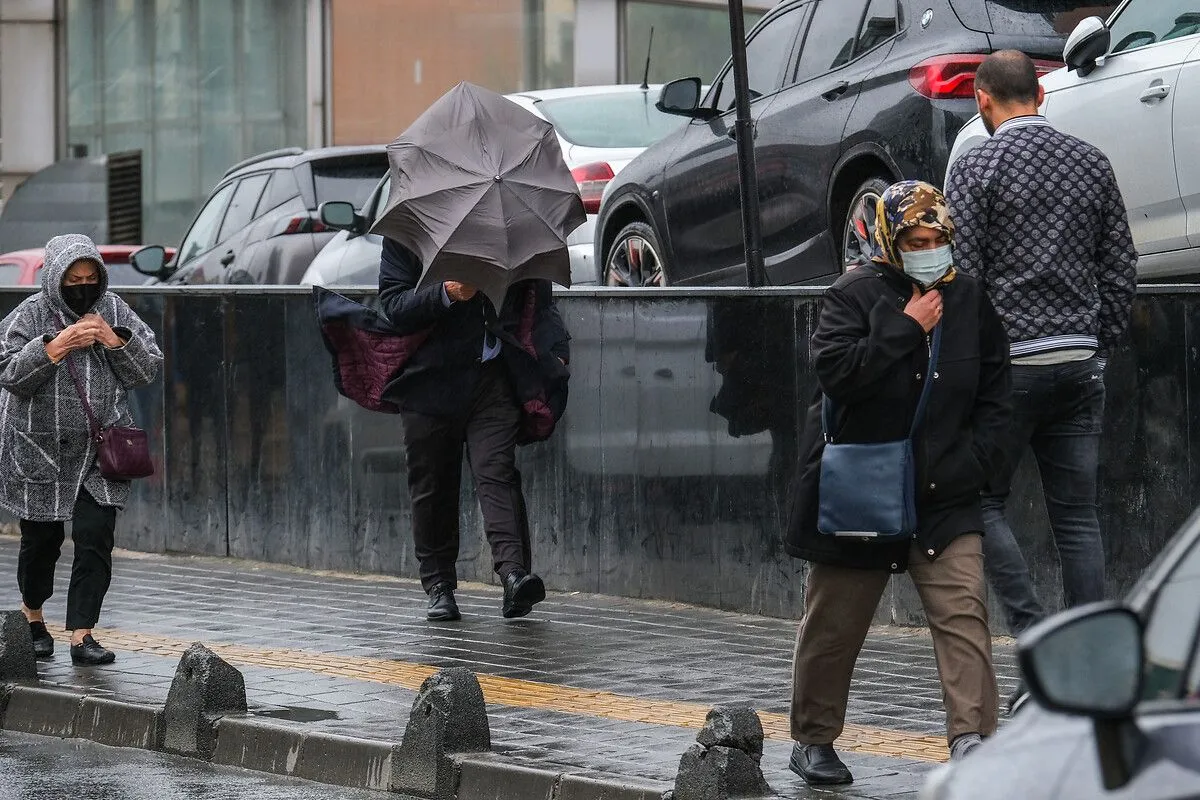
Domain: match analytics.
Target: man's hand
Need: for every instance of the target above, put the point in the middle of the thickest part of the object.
(459, 292)
(926, 308)
(104, 333)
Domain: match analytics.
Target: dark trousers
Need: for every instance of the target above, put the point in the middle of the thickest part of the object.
(434, 447)
(1058, 411)
(92, 528)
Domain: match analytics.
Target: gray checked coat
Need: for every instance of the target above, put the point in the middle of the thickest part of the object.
(46, 450)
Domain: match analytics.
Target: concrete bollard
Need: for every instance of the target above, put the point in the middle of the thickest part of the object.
(726, 761)
(16, 648)
(206, 688)
(448, 718)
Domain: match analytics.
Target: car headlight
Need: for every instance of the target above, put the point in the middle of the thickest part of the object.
(937, 786)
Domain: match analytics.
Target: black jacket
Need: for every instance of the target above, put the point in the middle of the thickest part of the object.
(871, 359)
(441, 375)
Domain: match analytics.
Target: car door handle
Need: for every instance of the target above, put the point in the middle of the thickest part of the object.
(1156, 92)
(227, 259)
(837, 91)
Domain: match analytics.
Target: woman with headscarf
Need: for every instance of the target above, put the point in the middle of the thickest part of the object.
(871, 351)
(73, 329)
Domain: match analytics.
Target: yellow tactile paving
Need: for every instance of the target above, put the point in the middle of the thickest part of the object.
(526, 694)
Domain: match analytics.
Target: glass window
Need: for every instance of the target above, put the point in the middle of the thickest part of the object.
(767, 52)
(1029, 17)
(349, 180)
(10, 274)
(617, 119)
(829, 43)
(281, 189)
(203, 235)
(241, 207)
(1143, 24)
(689, 40)
(879, 25)
(1171, 630)
(122, 273)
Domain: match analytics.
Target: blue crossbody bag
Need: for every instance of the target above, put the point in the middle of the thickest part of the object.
(869, 490)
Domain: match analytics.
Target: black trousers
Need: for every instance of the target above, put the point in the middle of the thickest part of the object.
(434, 447)
(92, 529)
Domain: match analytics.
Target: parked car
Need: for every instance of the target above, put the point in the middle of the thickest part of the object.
(1132, 88)
(600, 130)
(1116, 687)
(20, 267)
(848, 97)
(260, 223)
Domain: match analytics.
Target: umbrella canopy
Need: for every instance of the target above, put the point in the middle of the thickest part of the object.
(480, 192)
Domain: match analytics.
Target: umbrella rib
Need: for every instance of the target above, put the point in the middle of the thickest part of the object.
(552, 226)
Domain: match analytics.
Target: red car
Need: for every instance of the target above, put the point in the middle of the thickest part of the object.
(20, 267)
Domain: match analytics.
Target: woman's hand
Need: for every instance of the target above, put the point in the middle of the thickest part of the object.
(79, 336)
(926, 308)
(104, 332)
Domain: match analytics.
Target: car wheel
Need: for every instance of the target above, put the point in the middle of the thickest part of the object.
(635, 258)
(852, 218)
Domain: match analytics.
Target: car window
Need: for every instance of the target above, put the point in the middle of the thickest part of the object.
(1039, 18)
(615, 119)
(10, 274)
(203, 234)
(880, 23)
(767, 53)
(1144, 24)
(348, 179)
(1171, 630)
(281, 189)
(829, 43)
(241, 207)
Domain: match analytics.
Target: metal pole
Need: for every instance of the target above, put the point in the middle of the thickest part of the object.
(743, 131)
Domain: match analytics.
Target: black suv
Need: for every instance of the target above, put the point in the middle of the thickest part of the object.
(260, 224)
(848, 97)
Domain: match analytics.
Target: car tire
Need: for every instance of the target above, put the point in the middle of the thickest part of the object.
(635, 258)
(848, 214)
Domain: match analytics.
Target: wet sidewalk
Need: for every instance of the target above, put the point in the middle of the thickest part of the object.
(605, 685)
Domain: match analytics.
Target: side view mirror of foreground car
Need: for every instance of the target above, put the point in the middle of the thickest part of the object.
(150, 260)
(1088, 662)
(341, 216)
(682, 97)
(1087, 43)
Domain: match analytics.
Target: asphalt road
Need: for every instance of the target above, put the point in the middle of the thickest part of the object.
(44, 768)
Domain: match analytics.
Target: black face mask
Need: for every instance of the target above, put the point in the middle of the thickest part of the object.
(81, 297)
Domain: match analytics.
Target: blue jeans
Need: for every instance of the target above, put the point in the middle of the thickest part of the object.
(1058, 410)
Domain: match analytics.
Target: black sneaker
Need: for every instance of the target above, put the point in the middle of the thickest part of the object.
(442, 607)
(43, 642)
(91, 654)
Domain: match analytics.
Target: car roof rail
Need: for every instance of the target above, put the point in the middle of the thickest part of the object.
(280, 153)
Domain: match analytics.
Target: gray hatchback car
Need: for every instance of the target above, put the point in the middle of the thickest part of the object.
(260, 225)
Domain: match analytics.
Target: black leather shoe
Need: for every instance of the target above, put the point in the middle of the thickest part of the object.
(43, 642)
(91, 654)
(521, 592)
(819, 765)
(442, 607)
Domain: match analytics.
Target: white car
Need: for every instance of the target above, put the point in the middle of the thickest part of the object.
(600, 130)
(1132, 88)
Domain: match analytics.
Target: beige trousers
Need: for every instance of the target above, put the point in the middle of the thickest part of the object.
(838, 609)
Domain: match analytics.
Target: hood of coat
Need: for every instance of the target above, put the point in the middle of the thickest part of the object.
(61, 253)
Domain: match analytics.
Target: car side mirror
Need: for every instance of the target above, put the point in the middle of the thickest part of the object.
(1088, 662)
(341, 216)
(682, 98)
(1086, 45)
(150, 260)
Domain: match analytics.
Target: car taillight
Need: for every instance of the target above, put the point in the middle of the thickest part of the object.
(952, 77)
(300, 225)
(592, 178)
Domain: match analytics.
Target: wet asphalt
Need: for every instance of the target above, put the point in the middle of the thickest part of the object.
(44, 768)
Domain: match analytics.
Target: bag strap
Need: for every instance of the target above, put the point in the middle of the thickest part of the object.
(93, 426)
(827, 406)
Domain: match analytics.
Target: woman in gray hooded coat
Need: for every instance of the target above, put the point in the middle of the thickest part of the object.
(50, 472)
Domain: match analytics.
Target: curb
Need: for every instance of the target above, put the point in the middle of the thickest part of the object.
(263, 746)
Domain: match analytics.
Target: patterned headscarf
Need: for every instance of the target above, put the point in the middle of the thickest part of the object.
(905, 205)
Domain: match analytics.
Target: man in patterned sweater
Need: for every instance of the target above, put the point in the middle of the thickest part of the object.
(1042, 224)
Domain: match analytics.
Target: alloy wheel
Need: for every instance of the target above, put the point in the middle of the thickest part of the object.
(634, 262)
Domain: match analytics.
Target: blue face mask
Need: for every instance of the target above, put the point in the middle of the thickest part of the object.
(927, 267)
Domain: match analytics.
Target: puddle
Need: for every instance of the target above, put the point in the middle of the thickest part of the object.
(294, 713)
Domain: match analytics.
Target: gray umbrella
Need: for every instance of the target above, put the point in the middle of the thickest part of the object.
(480, 192)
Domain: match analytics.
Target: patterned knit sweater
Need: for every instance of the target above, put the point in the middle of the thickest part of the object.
(1041, 222)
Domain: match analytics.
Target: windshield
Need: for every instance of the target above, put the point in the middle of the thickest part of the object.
(1055, 18)
(619, 119)
(123, 274)
(349, 180)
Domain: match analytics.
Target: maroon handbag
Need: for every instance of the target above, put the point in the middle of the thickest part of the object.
(123, 454)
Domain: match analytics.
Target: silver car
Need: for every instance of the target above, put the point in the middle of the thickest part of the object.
(1132, 88)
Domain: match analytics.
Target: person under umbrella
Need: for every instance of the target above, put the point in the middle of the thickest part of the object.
(475, 230)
